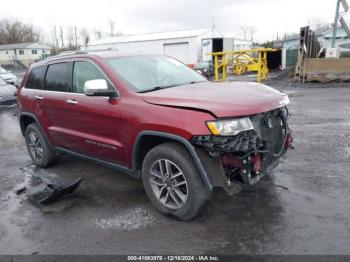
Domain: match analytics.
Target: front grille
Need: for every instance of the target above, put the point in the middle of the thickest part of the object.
(267, 137)
(272, 128)
(242, 142)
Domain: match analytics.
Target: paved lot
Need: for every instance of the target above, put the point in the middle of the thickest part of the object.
(301, 208)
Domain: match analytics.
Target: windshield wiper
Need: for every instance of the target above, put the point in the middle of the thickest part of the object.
(194, 82)
(167, 86)
(156, 88)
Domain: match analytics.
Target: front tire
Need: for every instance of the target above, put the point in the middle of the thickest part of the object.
(172, 182)
(38, 149)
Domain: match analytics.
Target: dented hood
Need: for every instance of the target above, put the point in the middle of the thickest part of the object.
(227, 99)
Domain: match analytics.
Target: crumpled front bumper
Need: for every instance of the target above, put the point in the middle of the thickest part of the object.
(248, 156)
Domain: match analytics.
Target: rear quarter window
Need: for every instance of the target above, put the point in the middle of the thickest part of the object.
(56, 78)
(36, 78)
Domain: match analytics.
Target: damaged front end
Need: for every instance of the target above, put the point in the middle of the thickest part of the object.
(249, 155)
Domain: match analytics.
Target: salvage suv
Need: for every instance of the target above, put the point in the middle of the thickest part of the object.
(154, 118)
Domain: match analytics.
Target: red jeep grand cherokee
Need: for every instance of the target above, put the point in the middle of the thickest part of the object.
(155, 119)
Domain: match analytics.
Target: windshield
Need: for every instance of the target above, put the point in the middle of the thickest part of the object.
(2, 70)
(2, 82)
(149, 73)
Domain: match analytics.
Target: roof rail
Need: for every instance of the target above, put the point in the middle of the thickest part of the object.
(66, 53)
(102, 50)
(79, 52)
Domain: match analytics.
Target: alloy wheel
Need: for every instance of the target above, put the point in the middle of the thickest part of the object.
(168, 184)
(35, 146)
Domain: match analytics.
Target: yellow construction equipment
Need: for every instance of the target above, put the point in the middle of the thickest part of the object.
(241, 61)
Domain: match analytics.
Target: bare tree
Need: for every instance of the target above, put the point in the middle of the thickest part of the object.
(70, 37)
(98, 34)
(111, 24)
(53, 40)
(252, 30)
(85, 36)
(55, 36)
(76, 38)
(113, 31)
(248, 32)
(318, 25)
(244, 30)
(61, 35)
(14, 31)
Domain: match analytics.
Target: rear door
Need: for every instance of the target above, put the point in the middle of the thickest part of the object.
(30, 94)
(92, 123)
(51, 99)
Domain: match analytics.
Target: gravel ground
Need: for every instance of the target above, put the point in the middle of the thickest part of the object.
(302, 207)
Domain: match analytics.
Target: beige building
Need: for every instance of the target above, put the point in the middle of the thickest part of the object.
(24, 53)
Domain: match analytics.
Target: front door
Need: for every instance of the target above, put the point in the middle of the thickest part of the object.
(92, 123)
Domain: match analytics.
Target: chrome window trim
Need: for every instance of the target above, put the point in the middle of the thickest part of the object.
(98, 67)
(75, 60)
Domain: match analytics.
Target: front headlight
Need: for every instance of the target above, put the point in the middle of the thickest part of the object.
(230, 127)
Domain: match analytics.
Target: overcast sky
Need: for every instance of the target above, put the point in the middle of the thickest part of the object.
(269, 17)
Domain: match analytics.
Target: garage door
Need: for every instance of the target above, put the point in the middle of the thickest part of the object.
(179, 51)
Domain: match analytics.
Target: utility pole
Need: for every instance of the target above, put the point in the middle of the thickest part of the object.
(335, 24)
(76, 38)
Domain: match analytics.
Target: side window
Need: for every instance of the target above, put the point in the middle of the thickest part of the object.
(84, 71)
(36, 78)
(57, 77)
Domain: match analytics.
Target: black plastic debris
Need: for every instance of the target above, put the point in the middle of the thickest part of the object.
(20, 190)
(52, 193)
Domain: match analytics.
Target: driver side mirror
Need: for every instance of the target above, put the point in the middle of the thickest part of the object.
(98, 87)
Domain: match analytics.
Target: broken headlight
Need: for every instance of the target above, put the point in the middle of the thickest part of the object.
(230, 127)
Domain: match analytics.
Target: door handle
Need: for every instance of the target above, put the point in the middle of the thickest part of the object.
(39, 97)
(72, 101)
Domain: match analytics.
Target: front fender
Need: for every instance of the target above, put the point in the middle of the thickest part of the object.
(201, 170)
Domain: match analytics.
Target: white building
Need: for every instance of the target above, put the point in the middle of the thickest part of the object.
(24, 53)
(188, 46)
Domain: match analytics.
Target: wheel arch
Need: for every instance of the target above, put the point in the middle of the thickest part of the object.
(26, 119)
(146, 140)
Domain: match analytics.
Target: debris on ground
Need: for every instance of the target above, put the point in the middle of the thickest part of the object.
(132, 219)
(20, 190)
(283, 187)
(50, 193)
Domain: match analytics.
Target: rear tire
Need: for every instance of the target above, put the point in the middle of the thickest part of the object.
(172, 182)
(38, 149)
